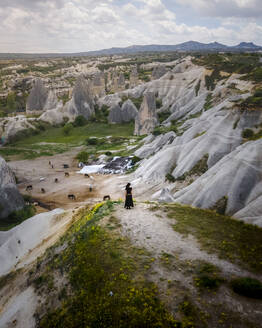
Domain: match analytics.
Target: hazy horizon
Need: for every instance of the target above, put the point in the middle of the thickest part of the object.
(62, 26)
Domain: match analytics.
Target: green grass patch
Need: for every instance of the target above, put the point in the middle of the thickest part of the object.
(104, 290)
(231, 239)
(207, 277)
(247, 287)
(17, 217)
(208, 103)
(54, 140)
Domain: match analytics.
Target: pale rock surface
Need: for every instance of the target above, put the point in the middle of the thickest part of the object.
(10, 126)
(10, 198)
(17, 242)
(146, 119)
(129, 111)
(163, 196)
(115, 114)
(236, 176)
(158, 71)
(149, 148)
(38, 97)
(82, 100)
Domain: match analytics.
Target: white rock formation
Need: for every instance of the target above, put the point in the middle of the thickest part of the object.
(236, 176)
(146, 119)
(10, 198)
(15, 243)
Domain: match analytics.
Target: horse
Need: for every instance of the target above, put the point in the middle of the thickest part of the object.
(71, 196)
(56, 180)
(42, 190)
(87, 175)
(66, 174)
(29, 187)
(107, 197)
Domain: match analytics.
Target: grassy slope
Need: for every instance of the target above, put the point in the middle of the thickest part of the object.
(58, 142)
(231, 239)
(107, 279)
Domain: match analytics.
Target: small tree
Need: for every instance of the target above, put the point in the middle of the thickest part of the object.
(80, 121)
(67, 128)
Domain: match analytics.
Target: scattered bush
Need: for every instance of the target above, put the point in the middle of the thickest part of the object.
(247, 133)
(163, 116)
(159, 103)
(92, 141)
(247, 287)
(108, 153)
(197, 87)
(221, 205)
(67, 129)
(80, 121)
(135, 160)
(208, 103)
(82, 156)
(170, 178)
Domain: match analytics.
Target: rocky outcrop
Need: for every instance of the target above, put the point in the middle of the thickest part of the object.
(82, 100)
(10, 198)
(129, 111)
(158, 72)
(146, 119)
(126, 113)
(12, 126)
(237, 177)
(115, 114)
(155, 144)
(40, 98)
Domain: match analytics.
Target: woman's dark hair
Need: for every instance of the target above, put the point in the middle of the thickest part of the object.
(128, 185)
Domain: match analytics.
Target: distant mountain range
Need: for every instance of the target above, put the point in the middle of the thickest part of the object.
(188, 46)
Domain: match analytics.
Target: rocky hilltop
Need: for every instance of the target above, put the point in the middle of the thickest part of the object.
(10, 198)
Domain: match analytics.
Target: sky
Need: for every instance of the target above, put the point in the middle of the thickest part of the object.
(40, 26)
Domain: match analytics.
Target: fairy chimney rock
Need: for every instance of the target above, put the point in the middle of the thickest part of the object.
(146, 119)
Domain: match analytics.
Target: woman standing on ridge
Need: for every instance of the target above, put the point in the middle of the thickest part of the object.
(129, 199)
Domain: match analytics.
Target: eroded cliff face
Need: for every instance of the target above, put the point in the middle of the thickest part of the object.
(10, 198)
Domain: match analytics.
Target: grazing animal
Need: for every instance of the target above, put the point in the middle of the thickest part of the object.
(42, 190)
(66, 174)
(66, 166)
(52, 166)
(50, 163)
(90, 188)
(35, 204)
(71, 196)
(107, 197)
(87, 175)
(30, 187)
(56, 180)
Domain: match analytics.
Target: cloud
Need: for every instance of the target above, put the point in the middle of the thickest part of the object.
(225, 8)
(82, 25)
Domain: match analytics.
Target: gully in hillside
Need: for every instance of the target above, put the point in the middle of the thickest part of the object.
(129, 199)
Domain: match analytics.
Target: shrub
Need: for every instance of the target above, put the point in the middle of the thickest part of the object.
(67, 128)
(82, 156)
(135, 160)
(108, 153)
(197, 87)
(92, 141)
(80, 121)
(247, 133)
(159, 103)
(207, 281)
(247, 287)
(170, 178)
(163, 116)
